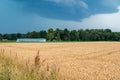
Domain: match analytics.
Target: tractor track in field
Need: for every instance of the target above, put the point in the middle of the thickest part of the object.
(95, 55)
(104, 54)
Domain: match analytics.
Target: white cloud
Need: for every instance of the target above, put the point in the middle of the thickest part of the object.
(103, 21)
(100, 21)
(119, 8)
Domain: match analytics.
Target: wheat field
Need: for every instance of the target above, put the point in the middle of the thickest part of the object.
(76, 60)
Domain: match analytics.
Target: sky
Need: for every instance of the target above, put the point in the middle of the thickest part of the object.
(34, 15)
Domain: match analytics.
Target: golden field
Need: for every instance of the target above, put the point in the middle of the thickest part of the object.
(76, 60)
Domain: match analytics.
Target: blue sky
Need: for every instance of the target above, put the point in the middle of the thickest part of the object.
(28, 15)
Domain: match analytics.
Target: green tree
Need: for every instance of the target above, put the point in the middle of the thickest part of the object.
(94, 35)
(50, 34)
(107, 34)
(19, 35)
(33, 34)
(82, 35)
(0, 36)
(13, 36)
(57, 34)
(6, 36)
(74, 35)
(65, 35)
(43, 34)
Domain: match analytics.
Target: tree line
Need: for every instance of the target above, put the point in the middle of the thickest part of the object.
(67, 35)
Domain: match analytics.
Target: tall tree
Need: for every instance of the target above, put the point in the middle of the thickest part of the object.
(43, 34)
(74, 35)
(66, 35)
(0, 36)
(82, 34)
(19, 35)
(13, 36)
(57, 34)
(50, 34)
(6, 36)
(34, 34)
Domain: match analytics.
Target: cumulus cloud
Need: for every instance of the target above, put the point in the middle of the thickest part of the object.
(103, 21)
(73, 10)
(99, 21)
(29, 15)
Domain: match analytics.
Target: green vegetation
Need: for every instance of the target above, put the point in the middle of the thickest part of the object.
(67, 35)
(12, 69)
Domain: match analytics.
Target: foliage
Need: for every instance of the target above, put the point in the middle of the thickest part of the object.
(67, 35)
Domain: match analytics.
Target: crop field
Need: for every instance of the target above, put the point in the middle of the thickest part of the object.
(75, 60)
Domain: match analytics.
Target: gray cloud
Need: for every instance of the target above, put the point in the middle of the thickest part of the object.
(70, 3)
(98, 21)
(29, 15)
(73, 10)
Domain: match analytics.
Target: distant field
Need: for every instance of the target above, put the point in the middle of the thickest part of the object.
(76, 60)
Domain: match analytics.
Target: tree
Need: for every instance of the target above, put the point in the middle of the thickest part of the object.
(108, 30)
(82, 35)
(107, 34)
(19, 35)
(0, 36)
(116, 36)
(74, 35)
(6, 36)
(50, 34)
(33, 34)
(94, 35)
(43, 34)
(57, 34)
(65, 35)
(13, 36)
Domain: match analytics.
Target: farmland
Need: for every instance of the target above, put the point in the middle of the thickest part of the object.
(76, 60)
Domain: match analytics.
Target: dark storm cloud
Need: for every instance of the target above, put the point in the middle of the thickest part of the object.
(68, 9)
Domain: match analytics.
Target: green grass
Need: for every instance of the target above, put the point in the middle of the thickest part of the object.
(7, 41)
(14, 41)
